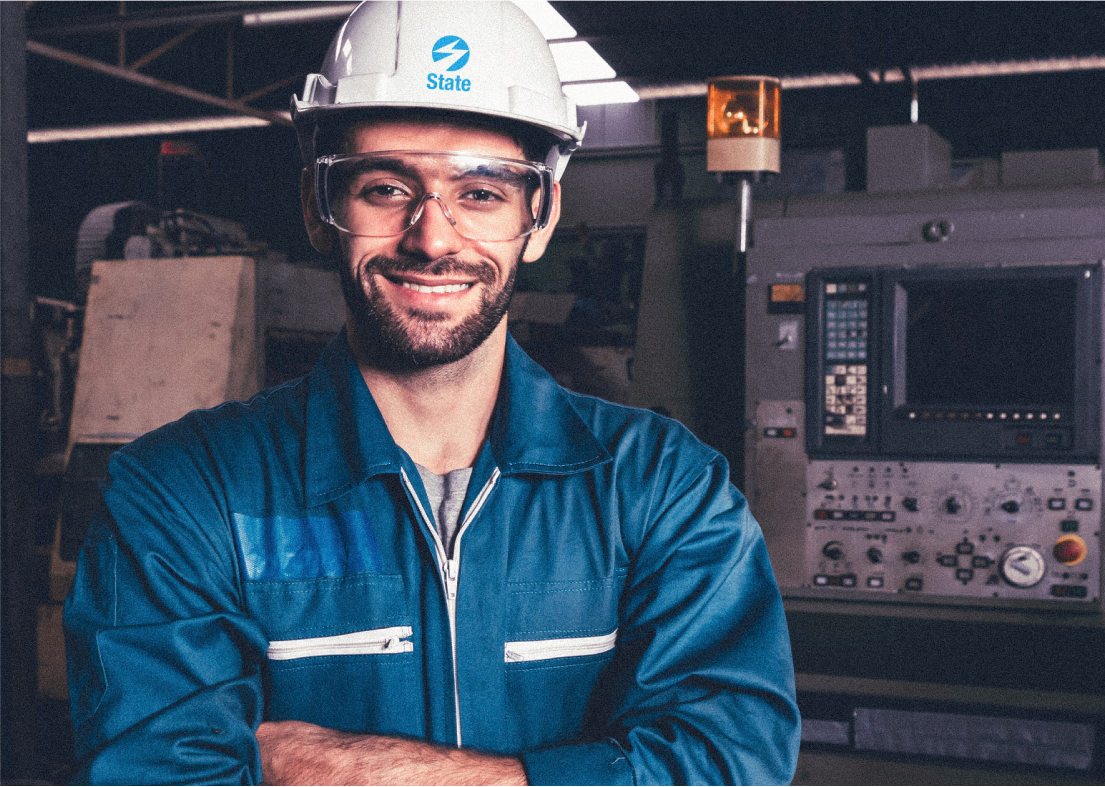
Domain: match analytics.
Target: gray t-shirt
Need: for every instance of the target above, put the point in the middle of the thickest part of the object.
(446, 493)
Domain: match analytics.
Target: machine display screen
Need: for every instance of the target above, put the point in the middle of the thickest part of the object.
(984, 363)
(1008, 344)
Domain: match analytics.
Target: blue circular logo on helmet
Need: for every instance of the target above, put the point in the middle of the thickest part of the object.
(451, 47)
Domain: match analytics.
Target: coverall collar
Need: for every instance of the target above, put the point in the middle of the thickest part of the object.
(534, 428)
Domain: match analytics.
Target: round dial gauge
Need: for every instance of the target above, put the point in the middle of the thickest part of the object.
(1022, 567)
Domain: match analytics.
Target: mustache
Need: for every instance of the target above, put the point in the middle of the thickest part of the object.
(442, 266)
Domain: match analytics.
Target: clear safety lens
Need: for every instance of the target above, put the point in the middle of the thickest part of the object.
(383, 194)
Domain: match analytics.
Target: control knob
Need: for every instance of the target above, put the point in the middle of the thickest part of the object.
(834, 550)
(874, 554)
(1010, 506)
(910, 504)
(952, 505)
(1022, 567)
(913, 556)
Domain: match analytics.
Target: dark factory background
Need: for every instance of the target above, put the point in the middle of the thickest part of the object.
(590, 311)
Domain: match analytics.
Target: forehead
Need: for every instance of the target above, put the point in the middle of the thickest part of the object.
(369, 136)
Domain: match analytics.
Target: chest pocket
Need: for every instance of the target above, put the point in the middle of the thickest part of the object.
(563, 610)
(318, 576)
(341, 652)
(298, 609)
(560, 637)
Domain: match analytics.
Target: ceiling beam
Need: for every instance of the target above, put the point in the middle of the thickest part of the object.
(133, 20)
(264, 91)
(157, 52)
(128, 75)
(911, 74)
(148, 128)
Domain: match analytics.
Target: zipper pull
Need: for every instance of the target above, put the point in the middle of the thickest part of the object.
(451, 567)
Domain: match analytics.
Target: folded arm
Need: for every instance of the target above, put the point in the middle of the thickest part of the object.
(295, 752)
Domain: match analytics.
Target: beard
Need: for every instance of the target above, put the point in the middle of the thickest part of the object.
(417, 339)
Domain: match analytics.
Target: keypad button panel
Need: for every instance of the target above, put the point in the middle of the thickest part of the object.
(846, 399)
(845, 353)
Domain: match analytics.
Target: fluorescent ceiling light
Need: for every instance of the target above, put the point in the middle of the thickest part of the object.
(153, 128)
(547, 18)
(577, 61)
(301, 14)
(586, 94)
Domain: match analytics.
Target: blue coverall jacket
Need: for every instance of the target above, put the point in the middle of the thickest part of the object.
(609, 613)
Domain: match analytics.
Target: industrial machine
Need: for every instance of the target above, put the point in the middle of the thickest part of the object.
(953, 428)
(924, 394)
(923, 449)
(187, 329)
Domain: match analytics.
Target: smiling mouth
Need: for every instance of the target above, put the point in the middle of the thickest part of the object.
(439, 289)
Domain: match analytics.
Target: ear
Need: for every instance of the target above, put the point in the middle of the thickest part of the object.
(539, 240)
(323, 236)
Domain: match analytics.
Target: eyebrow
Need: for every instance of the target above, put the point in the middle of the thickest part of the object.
(394, 165)
(401, 168)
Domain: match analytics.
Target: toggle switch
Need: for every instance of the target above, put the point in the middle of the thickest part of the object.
(788, 335)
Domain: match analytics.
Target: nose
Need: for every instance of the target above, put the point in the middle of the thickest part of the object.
(432, 231)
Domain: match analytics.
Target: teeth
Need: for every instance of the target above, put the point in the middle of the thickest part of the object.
(441, 289)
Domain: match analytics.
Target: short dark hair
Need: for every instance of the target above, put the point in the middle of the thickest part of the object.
(331, 135)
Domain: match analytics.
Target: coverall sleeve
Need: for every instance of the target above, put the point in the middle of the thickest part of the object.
(701, 689)
(164, 667)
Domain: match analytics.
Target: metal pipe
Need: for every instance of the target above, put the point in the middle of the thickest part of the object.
(745, 216)
(17, 411)
(914, 99)
(122, 36)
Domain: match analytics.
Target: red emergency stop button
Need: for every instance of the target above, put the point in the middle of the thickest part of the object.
(1070, 550)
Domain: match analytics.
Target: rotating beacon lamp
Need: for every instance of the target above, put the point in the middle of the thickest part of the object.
(742, 134)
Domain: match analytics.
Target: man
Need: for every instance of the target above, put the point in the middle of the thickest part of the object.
(426, 562)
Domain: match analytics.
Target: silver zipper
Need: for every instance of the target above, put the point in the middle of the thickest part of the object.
(357, 643)
(450, 569)
(568, 647)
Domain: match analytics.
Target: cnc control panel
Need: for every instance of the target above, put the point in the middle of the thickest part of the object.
(994, 532)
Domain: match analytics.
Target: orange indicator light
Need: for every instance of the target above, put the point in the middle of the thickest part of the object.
(742, 124)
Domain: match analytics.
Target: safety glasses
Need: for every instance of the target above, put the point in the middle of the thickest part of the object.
(385, 193)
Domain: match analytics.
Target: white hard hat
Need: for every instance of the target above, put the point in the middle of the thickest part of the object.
(486, 58)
